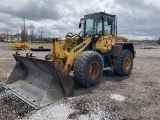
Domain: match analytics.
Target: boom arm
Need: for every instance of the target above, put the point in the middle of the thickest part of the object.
(66, 58)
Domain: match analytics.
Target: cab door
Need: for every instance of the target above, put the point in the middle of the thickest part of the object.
(105, 43)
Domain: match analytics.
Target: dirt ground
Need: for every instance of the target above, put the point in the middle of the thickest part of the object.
(136, 97)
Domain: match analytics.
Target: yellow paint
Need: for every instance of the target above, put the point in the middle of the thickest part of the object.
(122, 37)
(93, 69)
(19, 46)
(127, 63)
(73, 55)
(67, 52)
(105, 43)
(61, 54)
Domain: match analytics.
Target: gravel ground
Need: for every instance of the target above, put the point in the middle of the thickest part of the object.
(136, 97)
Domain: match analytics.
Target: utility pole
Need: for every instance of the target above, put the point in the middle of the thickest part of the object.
(24, 36)
(41, 35)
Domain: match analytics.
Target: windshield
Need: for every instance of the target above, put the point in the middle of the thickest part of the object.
(93, 24)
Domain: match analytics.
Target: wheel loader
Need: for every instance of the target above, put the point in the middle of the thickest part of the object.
(19, 46)
(40, 82)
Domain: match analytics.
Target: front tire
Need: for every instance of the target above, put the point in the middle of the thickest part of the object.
(124, 64)
(88, 68)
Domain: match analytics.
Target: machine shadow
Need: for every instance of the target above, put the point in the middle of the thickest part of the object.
(108, 75)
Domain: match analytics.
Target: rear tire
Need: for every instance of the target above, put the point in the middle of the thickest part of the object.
(124, 64)
(88, 68)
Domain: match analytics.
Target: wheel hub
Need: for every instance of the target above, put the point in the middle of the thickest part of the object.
(127, 63)
(93, 69)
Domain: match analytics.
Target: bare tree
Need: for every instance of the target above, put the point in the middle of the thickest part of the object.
(32, 32)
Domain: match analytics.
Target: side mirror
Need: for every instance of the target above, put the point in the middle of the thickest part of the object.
(81, 21)
(80, 25)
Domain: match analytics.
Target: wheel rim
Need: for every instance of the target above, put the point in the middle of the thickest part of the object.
(127, 63)
(93, 69)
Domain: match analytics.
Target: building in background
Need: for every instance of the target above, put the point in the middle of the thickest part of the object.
(10, 38)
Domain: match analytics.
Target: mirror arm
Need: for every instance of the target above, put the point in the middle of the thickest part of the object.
(80, 25)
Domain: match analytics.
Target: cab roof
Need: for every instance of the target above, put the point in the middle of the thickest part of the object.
(100, 13)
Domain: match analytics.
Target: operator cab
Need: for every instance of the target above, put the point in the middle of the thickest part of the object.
(99, 23)
(102, 27)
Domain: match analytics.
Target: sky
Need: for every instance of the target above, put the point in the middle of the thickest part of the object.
(137, 19)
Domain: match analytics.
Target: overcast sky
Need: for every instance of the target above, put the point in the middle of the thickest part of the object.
(137, 19)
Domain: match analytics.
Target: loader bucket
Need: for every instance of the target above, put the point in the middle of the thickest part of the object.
(39, 82)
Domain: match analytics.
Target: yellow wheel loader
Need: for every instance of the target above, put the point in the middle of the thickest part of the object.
(42, 82)
(19, 46)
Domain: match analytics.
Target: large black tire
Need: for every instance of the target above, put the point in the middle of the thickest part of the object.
(124, 63)
(88, 68)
